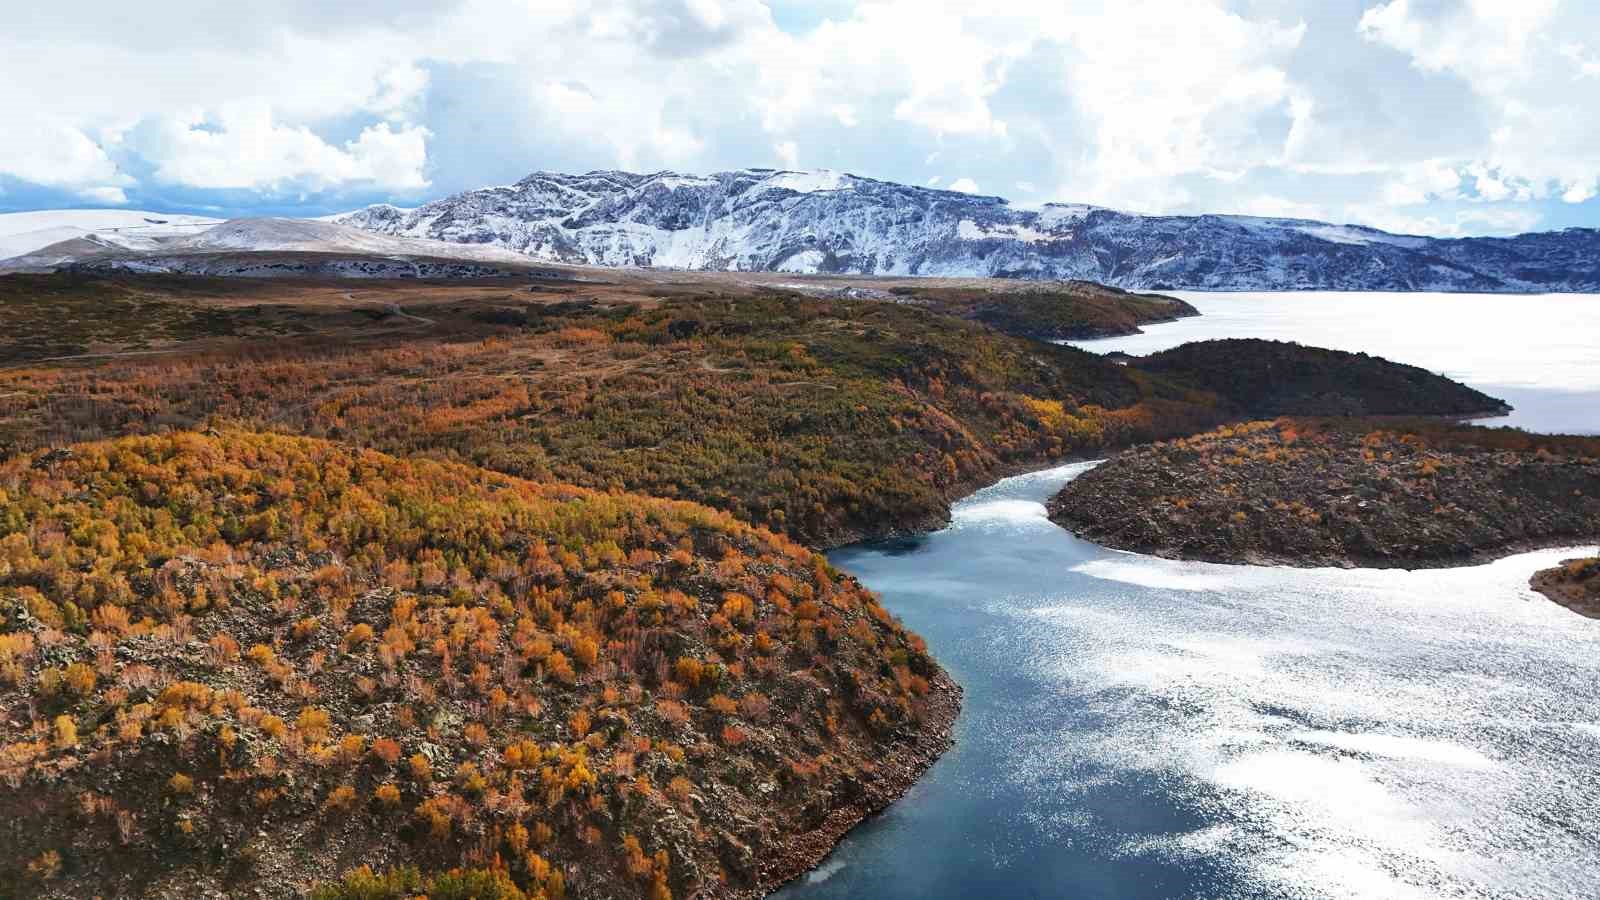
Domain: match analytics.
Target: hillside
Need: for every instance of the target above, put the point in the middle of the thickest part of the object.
(769, 220)
(25, 232)
(1340, 492)
(249, 661)
(829, 419)
(1069, 311)
(266, 248)
(1574, 584)
(1282, 378)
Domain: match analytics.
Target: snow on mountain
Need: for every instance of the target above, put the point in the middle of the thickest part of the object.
(259, 247)
(24, 232)
(771, 220)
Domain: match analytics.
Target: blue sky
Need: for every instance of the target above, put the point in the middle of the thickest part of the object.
(1429, 116)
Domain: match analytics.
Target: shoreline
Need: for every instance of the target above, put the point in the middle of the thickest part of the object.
(1482, 556)
(1556, 585)
(804, 852)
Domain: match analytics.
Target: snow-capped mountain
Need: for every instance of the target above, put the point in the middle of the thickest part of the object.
(764, 219)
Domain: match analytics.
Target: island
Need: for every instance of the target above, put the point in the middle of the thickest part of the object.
(1377, 492)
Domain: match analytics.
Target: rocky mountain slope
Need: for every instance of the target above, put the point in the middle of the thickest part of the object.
(763, 219)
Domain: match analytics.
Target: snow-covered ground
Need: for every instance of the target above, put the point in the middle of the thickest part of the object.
(25, 232)
(194, 246)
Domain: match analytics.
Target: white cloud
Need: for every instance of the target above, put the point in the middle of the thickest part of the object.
(51, 152)
(1405, 109)
(110, 196)
(1276, 207)
(964, 185)
(1521, 60)
(1423, 182)
(244, 148)
(788, 154)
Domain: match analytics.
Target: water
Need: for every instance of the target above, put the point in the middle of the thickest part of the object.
(1137, 727)
(1540, 353)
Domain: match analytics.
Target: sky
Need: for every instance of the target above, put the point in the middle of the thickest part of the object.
(1442, 117)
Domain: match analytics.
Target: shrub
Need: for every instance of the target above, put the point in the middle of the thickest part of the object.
(388, 795)
(386, 751)
(421, 768)
(341, 799)
(79, 679)
(46, 866)
(66, 732)
(313, 723)
(358, 635)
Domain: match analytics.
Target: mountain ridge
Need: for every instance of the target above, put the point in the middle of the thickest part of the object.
(825, 221)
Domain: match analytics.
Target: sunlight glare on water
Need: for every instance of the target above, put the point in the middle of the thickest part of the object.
(1140, 727)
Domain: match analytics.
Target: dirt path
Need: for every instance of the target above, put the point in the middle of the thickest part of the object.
(393, 309)
(112, 354)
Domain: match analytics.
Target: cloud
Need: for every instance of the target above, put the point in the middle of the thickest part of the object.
(53, 153)
(964, 185)
(788, 153)
(244, 148)
(1408, 111)
(1424, 181)
(1275, 207)
(1521, 62)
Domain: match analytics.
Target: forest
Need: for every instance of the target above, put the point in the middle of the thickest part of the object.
(253, 657)
(743, 402)
(510, 588)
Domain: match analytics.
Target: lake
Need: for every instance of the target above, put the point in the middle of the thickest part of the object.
(1539, 352)
(1138, 727)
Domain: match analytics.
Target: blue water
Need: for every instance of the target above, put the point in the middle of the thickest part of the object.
(1137, 727)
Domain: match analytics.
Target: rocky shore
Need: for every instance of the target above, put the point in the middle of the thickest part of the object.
(864, 798)
(1574, 584)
